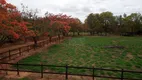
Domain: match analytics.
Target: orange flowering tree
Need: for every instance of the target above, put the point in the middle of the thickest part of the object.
(60, 23)
(12, 27)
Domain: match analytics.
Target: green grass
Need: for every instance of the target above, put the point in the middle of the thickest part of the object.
(90, 51)
(24, 79)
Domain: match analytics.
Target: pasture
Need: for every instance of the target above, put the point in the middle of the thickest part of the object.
(101, 52)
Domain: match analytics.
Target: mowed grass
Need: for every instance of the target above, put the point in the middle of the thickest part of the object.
(89, 52)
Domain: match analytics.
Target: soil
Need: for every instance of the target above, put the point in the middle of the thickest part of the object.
(115, 47)
(37, 76)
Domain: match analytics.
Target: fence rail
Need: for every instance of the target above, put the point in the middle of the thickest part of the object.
(9, 54)
(66, 72)
(18, 51)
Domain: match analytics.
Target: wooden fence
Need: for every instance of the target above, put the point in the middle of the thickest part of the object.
(66, 72)
(12, 53)
(18, 51)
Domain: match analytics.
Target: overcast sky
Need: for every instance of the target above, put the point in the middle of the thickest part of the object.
(81, 8)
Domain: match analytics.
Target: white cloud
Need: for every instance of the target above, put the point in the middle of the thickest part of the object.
(81, 8)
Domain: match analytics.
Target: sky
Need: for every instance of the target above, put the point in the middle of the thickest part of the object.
(81, 8)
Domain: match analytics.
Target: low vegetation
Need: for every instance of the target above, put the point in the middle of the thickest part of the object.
(92, 51)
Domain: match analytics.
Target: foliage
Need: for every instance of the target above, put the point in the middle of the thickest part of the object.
(76, 26)
(15, 25)
(105, 22)
(60, 23)
(11, 25)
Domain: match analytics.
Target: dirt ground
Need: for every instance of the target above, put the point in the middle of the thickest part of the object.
(37, 76)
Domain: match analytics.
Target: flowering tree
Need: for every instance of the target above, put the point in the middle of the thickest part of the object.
(11, 25)
(60, 23)
(21, 25)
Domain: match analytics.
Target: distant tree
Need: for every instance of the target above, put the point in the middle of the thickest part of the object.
(90, 22)
(76, 26)
(107, 19)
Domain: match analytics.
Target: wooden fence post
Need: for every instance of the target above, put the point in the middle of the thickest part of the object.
(43, 43)
(34, 47)
(41, 70)
(66, 72)
(28, 48)
(6, 69)
(50, 38)
(93, 73)
(17, 68)
(47, 42)
(20, 51)
(9, 55)
(122, 74)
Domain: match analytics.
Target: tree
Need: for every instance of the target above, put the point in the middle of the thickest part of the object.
(132, 24)
(31, 17)
(119, 21)
(76, 26)
(107, 19)
(11, 25)
(60, 23)
(90, 22)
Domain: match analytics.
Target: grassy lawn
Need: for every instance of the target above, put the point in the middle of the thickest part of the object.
(91, 51)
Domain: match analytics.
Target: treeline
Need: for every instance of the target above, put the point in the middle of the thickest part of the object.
(26, 25)
(106, 23)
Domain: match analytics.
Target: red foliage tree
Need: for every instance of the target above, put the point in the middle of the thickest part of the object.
(11, 24)
(62, 22)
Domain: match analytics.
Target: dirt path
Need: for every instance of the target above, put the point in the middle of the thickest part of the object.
(37, 76)
(16, 46)
(19, 45)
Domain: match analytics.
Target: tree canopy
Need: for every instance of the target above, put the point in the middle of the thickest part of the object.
(106, 22)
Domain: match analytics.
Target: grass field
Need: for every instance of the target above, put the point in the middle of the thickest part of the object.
(91, 51)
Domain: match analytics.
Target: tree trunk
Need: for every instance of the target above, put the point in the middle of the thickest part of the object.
(78, 33)
(73, 33)
(35, 41)
(64, 34)
(90, 32)
(59, 36)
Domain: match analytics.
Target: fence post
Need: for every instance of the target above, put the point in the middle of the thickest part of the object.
(34, 46)
(28, 48)
(6, 69)
(93, 73)
(47, 42)
(49, 39)
(66, 72)
(43, 43)
(41, 70)
(121, 74)
(20, 51)
(17, 68)
(9, 55)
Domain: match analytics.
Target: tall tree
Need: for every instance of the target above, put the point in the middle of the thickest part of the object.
(107, 19)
